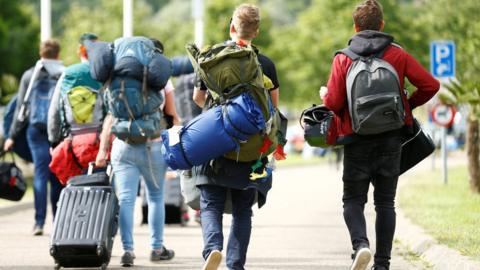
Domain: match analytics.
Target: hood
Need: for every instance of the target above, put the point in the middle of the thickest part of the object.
(369, 42)
(53, 67)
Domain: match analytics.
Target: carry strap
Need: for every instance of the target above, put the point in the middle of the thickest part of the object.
(144, 86)
(3, 154)
(127, 106)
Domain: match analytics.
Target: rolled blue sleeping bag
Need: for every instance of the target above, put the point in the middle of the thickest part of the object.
(212, 134)
(243, 117)
(203, 139)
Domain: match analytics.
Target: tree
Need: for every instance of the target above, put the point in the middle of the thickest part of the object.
(105, 20)
(461, 23)
(19, 38)
(174, 26)
(217, 22)
(304, 51)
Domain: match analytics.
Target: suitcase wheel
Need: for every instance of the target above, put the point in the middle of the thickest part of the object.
(52, 251)
(104, 266)
(99, 251)
(57, 266)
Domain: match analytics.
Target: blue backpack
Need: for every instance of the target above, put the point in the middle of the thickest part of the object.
(134, 94)
(39, 101)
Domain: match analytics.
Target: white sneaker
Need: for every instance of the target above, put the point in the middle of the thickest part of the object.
(362, 259)
(213, 261)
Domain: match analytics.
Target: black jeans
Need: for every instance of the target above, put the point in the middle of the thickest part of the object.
(376, 161)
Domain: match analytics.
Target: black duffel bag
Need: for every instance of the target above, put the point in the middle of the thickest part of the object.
(12, 182)
(415, 148)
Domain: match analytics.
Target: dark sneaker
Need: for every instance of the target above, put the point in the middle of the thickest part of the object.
(361, 258)
(213, 261)
(161, 254)
(37, 230)
(127, 259)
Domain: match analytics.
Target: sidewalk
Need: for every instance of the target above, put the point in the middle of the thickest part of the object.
(301, 227)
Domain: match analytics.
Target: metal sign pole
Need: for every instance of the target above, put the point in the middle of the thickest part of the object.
(127, 18)
(45, 20)
(444, 155)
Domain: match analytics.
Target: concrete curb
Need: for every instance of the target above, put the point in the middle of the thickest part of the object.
(7, 210)
(440, 256)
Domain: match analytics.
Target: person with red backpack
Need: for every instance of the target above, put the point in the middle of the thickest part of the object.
(33, 101)
(372, 115)
(75, 117)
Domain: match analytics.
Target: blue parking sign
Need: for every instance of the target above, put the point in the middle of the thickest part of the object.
(442, 59)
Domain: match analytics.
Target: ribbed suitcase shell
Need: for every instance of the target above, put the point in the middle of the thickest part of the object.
(85, 225)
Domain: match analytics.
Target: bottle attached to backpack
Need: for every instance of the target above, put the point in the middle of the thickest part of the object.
(374, 94)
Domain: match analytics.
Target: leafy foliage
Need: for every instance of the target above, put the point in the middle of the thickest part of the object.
(105, 20)
(19, 40)
(217, 22)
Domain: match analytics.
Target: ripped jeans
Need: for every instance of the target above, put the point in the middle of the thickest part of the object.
(129, 161)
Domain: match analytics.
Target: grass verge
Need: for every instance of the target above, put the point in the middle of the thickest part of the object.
(450, 213)
(411, 256)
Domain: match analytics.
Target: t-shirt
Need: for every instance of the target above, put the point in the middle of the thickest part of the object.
(268, 68)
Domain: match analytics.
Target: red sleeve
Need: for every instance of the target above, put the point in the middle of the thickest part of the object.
(336, 98)
(427, 85)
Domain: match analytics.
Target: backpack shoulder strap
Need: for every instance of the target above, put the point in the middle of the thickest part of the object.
(349, 53)
(396, 45)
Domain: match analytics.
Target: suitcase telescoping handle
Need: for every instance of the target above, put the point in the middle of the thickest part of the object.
(91, 166)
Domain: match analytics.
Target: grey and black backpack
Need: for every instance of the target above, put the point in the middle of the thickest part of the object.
(374, 94)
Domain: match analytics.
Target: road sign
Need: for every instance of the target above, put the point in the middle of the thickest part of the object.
(443, 115)
(442, 59)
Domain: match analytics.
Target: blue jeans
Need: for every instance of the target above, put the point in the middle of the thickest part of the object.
(40, 149)
(212, 204)
(129, 161)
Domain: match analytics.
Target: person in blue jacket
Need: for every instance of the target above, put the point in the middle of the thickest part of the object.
(46, 72)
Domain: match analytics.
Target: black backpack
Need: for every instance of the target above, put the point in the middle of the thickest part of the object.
(374, 96)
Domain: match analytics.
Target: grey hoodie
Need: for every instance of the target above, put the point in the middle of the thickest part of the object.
(50, 67)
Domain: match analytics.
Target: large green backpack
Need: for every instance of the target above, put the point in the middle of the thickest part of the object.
(229, 70)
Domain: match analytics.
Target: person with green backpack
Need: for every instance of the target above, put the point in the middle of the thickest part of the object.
(226, 71)
(75, 117)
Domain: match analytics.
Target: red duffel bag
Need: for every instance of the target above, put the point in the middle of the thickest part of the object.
(71, 157)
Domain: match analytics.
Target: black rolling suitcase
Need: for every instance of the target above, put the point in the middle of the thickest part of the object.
(85, 225)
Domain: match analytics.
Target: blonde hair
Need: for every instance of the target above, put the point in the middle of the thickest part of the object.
(246, 20)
